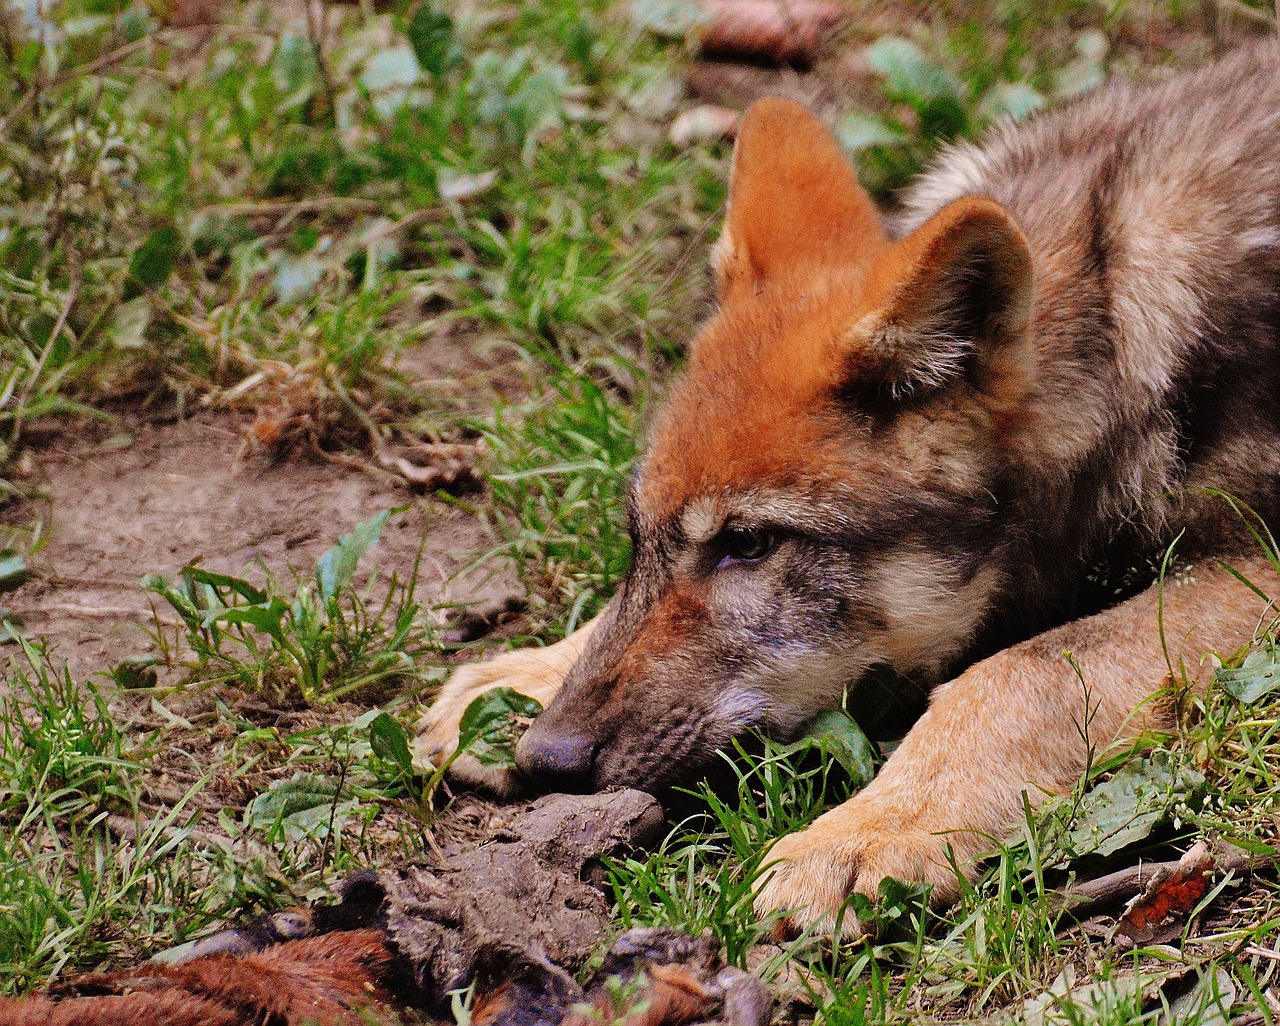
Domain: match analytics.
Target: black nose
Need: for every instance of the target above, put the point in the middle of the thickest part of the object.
(554, 760)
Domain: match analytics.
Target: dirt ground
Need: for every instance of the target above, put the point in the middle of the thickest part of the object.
(155, 497)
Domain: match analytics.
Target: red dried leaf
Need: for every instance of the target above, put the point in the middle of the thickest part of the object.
(1170, 896)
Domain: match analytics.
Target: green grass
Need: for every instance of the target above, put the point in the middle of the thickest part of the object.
(175, 220)
(84, 874)
(272, 223)
(561, 471)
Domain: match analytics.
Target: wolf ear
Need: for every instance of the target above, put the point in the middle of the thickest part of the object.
(794, 201)
(955, 293)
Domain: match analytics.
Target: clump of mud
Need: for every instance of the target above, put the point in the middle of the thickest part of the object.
(514, 917)
(524, 895)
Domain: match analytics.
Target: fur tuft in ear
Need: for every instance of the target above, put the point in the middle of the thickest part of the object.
(794, 202)
(955, 293)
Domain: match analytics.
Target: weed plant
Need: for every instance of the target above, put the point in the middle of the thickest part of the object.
(322, 643)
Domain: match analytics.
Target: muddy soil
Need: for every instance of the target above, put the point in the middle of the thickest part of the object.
(161, 496)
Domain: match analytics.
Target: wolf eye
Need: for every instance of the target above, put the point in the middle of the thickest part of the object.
(745, 545)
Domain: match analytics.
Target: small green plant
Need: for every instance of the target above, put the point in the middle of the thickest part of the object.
(703, 874)
(323, 642)
(979, 74)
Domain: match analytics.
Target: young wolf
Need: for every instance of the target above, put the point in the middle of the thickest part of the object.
(910, 448)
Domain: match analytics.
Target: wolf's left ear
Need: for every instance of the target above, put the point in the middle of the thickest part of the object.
(795, 204)
(955, 293)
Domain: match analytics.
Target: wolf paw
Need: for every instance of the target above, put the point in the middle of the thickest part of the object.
(809, 875)
(536, 672)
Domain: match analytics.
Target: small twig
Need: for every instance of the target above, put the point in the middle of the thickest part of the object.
(386, 231)
(348, 462)
(100, 612)
(268, 208)
(134, 830)
(1083, 898)
(316, 12)
(88, 68)
(1268, 953)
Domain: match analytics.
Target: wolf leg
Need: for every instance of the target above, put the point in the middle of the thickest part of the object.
(536, 672)
(1020, 721)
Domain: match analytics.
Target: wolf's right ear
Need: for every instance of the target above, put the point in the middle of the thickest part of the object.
(794, 202)
(955, 293)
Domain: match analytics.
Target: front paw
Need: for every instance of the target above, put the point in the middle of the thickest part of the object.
(810, 875)
(437, 739)
(536, 672)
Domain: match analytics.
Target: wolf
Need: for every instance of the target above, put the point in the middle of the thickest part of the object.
(911, 444)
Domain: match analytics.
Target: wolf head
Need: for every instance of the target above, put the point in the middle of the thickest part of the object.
(821, 492)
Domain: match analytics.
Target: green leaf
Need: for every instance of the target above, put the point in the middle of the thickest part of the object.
(297, 277)
(943, 117)
(840, 737)
(911, 77)
(493, 723)
(152, 262)
(1258, 675)
(268, 618)
(128, 327)
(294, 63)
(432, 37)
(13, 572)
(390, 70)
(303, 806)
(337, 567)
(861, 131)
(136, 671)
(390, 741)
(1012, 99)
(1208, 1003)
(670, 19)
(899, 907)
(226, 582)
(1126, 808)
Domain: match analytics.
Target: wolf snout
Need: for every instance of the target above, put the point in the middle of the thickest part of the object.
(556, 760)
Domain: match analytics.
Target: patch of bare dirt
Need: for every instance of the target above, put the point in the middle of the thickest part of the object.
(116, 510)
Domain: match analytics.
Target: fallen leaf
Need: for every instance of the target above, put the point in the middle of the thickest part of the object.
(1170, 896)
(305, 807)
(1257, 676)
(493, 723)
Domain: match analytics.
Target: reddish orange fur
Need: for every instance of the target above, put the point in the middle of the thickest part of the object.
(670, 995)
(756, 407)
(786, 164)
(676, 617)
(331, 980)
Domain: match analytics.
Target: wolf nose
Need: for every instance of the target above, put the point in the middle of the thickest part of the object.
(557, 761)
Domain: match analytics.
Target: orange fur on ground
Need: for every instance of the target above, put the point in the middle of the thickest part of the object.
(332, 980)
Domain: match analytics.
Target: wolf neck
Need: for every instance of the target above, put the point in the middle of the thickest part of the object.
(1153, 218)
